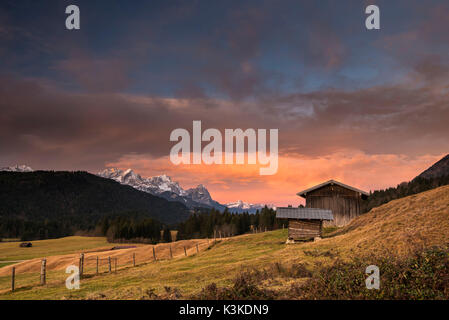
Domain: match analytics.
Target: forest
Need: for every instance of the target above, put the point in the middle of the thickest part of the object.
(201, 224)
(53, 204)
(215, 223)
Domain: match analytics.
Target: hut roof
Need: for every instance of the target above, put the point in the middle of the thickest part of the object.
(304, 213)
(304, 192)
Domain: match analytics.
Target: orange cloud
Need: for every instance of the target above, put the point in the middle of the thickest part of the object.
(228, 183)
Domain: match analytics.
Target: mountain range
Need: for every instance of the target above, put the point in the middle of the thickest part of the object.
(163, 186)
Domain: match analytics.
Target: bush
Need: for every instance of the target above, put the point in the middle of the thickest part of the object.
(423, 276)
(244, 288)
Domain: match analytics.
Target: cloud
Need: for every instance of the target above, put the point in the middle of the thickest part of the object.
(97, 75)
(344, 100)
(228, 183)
(65, 129)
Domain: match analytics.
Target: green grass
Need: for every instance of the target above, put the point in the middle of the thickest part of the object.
(10, 251)
(218, 264)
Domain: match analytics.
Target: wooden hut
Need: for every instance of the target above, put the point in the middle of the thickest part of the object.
(344, 201)
(304, 223)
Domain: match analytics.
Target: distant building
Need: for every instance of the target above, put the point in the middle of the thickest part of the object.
(344, 201)
(304, 223)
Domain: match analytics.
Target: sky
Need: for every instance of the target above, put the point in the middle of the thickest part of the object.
(369, 108)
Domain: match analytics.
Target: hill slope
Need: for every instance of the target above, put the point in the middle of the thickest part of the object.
(435, 176)
(397, 228)
(438, 169)
(77, 198)
(400, 226)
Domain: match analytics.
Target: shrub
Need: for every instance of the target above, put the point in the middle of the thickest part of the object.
(425, 275)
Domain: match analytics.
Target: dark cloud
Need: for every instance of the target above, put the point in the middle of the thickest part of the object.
(136, 72)
(65, 129)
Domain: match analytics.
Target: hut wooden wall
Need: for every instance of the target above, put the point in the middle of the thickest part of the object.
(344, 203)
(304, 229)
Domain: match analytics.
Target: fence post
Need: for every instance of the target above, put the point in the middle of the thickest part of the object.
(13, 278)
(185, 251)
(80, 267)
(134, 259)
(197, 248)
(154, 254)
(81, 264)
(115, 265)
(110, 267)
(43, 271)
(97, 266)
(171, 253)
(215, 236)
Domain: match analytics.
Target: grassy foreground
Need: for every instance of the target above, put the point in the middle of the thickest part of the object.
(391, 236)
(218, 264)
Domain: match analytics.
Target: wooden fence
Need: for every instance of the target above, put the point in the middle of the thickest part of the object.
(112, 263)
(115, 261)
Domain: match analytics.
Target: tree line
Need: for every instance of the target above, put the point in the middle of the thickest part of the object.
(404, 189)
(124, 229)
(214, 223)
(201, 224)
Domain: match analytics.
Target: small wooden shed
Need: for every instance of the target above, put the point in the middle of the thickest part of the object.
(344, 201)
(304, 223)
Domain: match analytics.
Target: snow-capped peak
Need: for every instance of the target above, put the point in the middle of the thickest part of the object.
(164, 186)
(241, 206)
(17, 168)
(154, 185)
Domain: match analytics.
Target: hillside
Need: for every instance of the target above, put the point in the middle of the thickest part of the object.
(400, 226)
(435, 176)
(61, 201)
(439, 169)
(393, 231)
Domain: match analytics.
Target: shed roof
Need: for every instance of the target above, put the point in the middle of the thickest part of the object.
(304, 192)
(304, 213)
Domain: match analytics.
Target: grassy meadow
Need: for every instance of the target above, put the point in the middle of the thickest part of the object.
(10, 251)
(394, 236)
